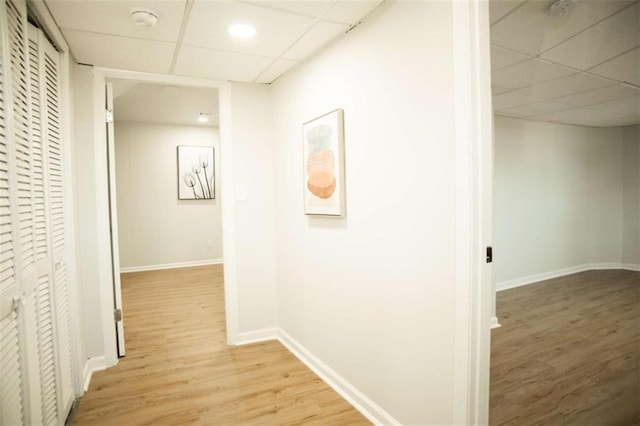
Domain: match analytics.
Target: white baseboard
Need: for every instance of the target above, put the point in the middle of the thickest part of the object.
(601, 266)
(518, 282)
(92, 365)
(257, 336)
(494, 323)
(143, 268)
(360, 401)
(631, 267)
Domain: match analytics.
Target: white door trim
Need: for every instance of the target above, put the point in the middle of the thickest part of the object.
(101, 75)
(113, 216)
(473, 288)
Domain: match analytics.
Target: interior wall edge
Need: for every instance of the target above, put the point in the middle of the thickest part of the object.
(495, 323)
(92, 365)
(256, 336)
(372, 411)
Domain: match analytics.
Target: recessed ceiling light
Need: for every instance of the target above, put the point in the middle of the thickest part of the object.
(242, 30)
(203, 118)
(561, 7)
(144, 17)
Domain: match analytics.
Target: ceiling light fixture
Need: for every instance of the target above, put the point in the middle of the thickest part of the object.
(242, 30)
(203, 118)
(561, 7)
(144, 17)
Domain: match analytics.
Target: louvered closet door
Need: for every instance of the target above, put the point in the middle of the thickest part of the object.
(50, 83)
(20, 399)
(51, 361)
(11, 370)
(36, 370)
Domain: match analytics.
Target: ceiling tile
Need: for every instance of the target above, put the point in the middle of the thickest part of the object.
(120, 52)
(321, 34)
(501, 58)
(601, 42)
(498, 90)
(276, 70)
(537, 108)
(512, 99)
(276, 31)
(219, 65)
(314, 9)
(113, 17)
(528, 73)
(599, 95)
(626, 106)
(166, 104)
(350, 11)
(532, 30)
(623, 68)
(563, 86)
(588, 117)
(499, 8)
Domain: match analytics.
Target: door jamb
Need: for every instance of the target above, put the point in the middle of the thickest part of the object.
(474, 150)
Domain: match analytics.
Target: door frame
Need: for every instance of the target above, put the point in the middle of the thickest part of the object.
(474, 289)
(113, 217)
(100, 77)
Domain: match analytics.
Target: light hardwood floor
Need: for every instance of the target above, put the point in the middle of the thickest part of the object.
(568, 352)
(179, 370)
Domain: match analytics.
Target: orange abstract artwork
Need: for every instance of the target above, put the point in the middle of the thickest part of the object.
(324, 175)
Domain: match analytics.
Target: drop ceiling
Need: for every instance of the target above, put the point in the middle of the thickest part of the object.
(191, 39)
(582, 68)
(164, 104)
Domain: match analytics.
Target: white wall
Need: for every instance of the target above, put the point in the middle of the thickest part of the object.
(558, 197)
(254, 207)
(372, 294)
(154, 227)
(84, 153)
(631, 213)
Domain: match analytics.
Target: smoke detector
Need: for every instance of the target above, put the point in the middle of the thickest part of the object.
(561, 7)
(144, 17)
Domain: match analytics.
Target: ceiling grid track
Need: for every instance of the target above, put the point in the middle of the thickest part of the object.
(183, 28)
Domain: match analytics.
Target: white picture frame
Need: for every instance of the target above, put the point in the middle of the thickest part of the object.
(196, 173)
(323, 165)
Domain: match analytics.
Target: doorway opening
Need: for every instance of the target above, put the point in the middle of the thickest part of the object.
(106, 177)
(164, 151)
(566, 104)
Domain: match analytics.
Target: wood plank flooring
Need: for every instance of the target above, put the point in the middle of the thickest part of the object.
(179, 370)
(568, 352)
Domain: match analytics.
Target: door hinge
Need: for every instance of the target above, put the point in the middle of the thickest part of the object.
(489, 254)
(117, 315)
(108, 116)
